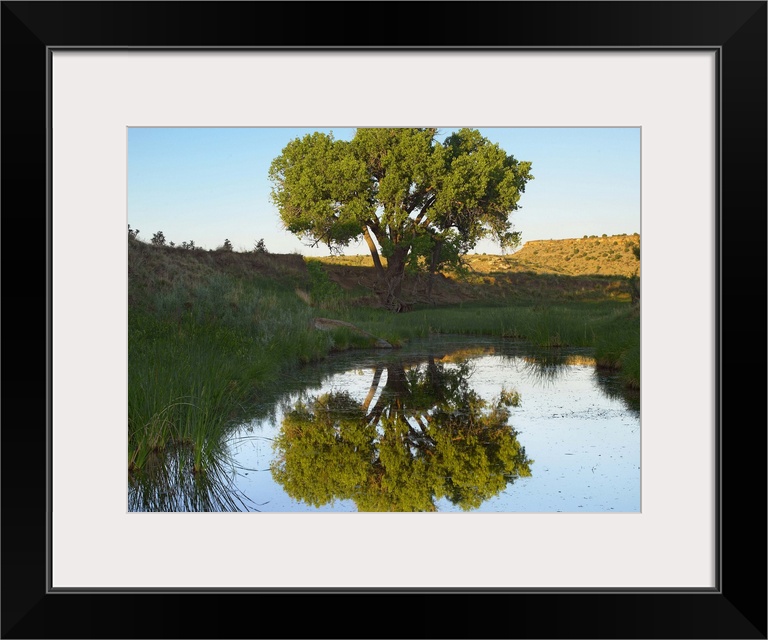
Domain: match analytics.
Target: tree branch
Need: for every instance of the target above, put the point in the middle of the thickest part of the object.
(373, 250)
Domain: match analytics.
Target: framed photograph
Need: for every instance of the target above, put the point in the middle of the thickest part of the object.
(83, 81)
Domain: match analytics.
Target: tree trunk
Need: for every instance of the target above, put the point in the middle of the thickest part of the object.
(374, 252)
(392, 281)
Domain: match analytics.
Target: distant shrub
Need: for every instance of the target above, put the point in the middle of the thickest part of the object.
(260, 247)
(158, 239)
(132, 233)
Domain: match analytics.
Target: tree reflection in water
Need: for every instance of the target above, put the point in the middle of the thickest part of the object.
(427, 437)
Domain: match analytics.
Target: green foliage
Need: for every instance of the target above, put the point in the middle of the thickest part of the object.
(417, 198)
(320, 190)
(324, 292)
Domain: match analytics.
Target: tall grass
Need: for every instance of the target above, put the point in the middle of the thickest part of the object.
(574, 324)
(618, 346)
(199, 354)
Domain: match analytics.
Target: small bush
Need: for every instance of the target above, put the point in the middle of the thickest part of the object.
(323, 291)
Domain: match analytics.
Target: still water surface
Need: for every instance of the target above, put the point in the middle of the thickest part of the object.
(454, 424)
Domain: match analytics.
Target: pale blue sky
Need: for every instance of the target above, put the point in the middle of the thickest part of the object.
(208, 184)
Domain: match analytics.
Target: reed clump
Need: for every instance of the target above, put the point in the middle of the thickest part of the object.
(204, 339)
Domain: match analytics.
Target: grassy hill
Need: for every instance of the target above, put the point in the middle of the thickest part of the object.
(606, 255)
(590, 255)
(589, 268)
(574, 269)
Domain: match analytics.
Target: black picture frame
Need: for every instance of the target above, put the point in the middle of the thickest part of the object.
(736, 608)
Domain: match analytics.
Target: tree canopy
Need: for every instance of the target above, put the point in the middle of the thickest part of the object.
(415, 201)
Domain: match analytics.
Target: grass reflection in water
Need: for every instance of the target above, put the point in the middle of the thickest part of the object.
(168, 482)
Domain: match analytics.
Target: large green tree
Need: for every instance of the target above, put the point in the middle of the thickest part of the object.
(415, 201)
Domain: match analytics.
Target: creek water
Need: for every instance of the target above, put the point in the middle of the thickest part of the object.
(445, 424)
